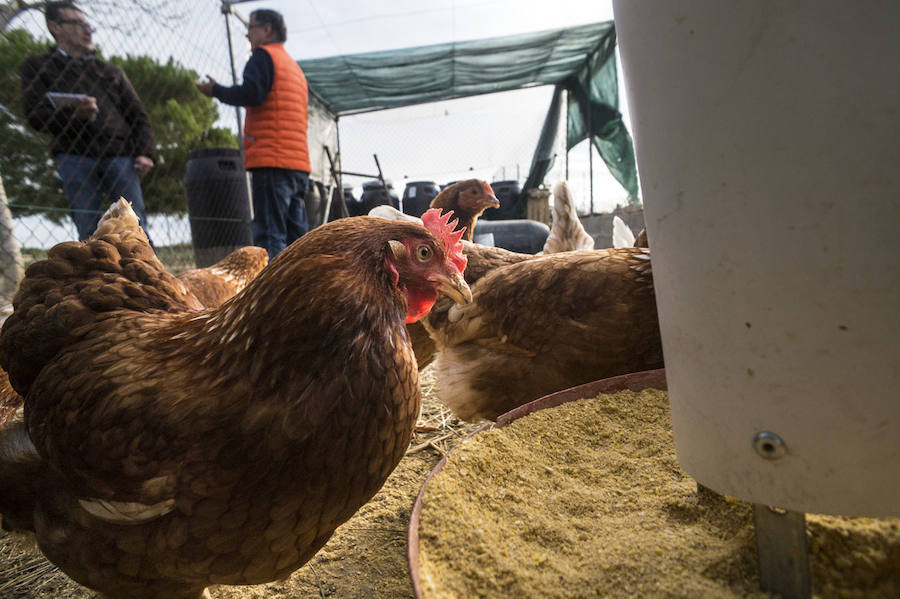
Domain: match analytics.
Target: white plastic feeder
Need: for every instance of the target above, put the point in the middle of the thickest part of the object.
(767, 136)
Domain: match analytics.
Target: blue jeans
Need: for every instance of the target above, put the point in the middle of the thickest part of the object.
(279, 212)
(88, 181)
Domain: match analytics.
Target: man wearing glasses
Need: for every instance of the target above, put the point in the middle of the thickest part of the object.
(276, 153)
(102, 141)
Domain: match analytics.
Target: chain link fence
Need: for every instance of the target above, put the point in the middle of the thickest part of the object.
(164, 46)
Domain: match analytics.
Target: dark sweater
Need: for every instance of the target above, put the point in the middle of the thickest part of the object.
(121, 127)
(259, 73)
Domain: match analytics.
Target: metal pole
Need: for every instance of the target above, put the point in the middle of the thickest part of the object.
(226, 10)
(782, 552)
(336, 176)
(566, 143)
(591, 164)
(387, 194)
(590, 137)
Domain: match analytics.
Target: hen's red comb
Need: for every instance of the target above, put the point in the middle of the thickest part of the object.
(442, 227)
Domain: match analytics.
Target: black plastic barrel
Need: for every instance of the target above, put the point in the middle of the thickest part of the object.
(354, 208)
(512, 204)
(519, 235)
(218, 203)
(417, 196)
(373, 195)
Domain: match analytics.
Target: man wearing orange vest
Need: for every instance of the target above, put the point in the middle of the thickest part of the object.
(275, 149)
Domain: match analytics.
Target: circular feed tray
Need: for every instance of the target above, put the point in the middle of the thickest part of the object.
(489, 521)
(652, 379)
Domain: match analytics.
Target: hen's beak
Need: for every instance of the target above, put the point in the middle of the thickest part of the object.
(454, 287)
(489, 202)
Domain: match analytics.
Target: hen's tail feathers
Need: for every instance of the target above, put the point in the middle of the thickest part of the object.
(120, 226)
(566, 233)
(118, 216)
(622, 235)
(21, 474)
(641, 240)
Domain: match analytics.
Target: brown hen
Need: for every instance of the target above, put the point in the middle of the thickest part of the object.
(467, 200)
(175, 448)
(543, 325)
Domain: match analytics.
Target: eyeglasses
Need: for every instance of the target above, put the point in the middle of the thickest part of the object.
(83, 24)
(252, 25)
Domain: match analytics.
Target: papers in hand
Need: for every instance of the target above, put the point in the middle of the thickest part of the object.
(61, 100)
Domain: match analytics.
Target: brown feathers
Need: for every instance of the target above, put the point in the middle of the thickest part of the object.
(63, 295)
(221, 281)
(543, 325)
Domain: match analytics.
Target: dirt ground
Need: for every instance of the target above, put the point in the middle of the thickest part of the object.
(366, 558)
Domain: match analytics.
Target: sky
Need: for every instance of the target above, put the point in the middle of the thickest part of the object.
(319, 28)
(491, 136)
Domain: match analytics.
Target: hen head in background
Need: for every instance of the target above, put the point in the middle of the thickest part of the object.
(468, 200)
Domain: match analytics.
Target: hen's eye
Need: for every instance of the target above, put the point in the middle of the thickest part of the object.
(423, 253)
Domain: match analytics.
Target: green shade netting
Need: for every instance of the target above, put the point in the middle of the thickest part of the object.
(579, 59)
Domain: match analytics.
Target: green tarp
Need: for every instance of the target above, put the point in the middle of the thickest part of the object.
(579, 59)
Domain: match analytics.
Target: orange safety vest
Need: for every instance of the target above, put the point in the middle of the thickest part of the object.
(275, 131)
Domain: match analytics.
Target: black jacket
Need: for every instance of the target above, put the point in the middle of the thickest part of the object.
(121, 127)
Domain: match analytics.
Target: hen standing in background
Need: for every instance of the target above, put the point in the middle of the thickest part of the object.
(176, 449)
(467, 200)
(543, 325)
(539, 324)
(623, 236)
(10, 401)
